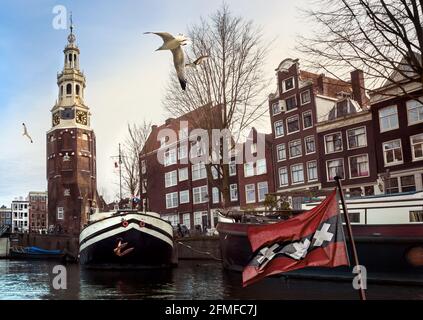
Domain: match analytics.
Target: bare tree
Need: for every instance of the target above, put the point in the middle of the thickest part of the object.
(384, 38)
(228, 89)
(134, 144)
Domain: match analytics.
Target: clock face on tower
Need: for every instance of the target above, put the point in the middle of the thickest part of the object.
(82, 117)
(56, 118)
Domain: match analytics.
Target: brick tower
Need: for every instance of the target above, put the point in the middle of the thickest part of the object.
(71, 150)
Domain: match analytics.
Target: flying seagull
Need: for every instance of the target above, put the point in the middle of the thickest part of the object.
(170, 42)
(25, 133)
(200, 60)
(174, 44)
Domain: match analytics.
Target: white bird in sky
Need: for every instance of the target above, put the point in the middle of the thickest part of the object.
(25, 132)
(174, 44)
(197, 62)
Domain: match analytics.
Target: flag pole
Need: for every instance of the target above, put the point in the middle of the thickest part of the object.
(362, 293)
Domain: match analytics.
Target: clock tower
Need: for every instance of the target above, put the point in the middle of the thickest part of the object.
(71, 150)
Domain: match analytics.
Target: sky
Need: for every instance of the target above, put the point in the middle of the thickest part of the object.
(126, 79)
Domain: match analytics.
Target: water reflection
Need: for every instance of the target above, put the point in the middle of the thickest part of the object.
(190, 280)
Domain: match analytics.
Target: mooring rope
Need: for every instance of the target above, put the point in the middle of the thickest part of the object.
(198, 251)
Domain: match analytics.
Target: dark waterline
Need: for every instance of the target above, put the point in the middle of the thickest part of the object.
(190, 280)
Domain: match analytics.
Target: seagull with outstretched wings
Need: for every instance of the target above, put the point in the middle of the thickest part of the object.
(197, 62)
(174, 44)
(25, 133)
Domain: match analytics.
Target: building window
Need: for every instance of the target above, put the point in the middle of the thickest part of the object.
(182, 152)
(250, 193)
(359, 166)
(215, 195)
(312, 170)
(143, 167)
(199, 171)
(295, 149)
(307, 120)
(279, 129)
(310, 144)
(170, 157)
(335, 168)
(171, 200)
(281, 152)
(173, 219)
(69, 89)
(391, 185)
(215, 172)
(234, 192)
(388, 118)
(292, 124)
(288, 84)
(262, 189)
(183, 174)
(415, 111)
(416, 216)
(357, 138)
(417, 147)
(201, 219)
(305, 97)
(408, 184)
(333, 142)
(291, 103)
(60, 213)
(276, 108)
(248, 169)
(186, 219)
(77, 89)
(171, 179)
(392, 152)
(232, 168)
(184, 196)
(297, 173)
(200, 194)
(261, 167)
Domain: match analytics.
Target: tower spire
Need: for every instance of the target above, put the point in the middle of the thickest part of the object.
(71, 37)
(71, 23)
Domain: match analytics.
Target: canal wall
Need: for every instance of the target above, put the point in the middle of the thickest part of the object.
(4, 247)
(198, 248)
(49, 242)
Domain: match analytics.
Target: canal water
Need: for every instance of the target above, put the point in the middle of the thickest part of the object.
(190, 280)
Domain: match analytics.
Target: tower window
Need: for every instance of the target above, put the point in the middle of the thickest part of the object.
(77, 89)
(74, 57)
(70, 57)
(69, 88)
(61, 90)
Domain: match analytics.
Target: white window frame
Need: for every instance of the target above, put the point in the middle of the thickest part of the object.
(309, 97)
(184, 220)
(384, 154)
(199, 167)
(289, 149)
(249, 165)
(232, 168)
(317, 171)
(263, 163)
(284, 84)
(246, 193)
(279, 176)
(365, 136)
(312, 122)
(327, 168)
(171, 178)
(60, 213)
(185, 177)
(183, 155)
(413, 154)
(277, 152)
(331, 134)
(291, 171)
(287, 126)
(416, 107)
(233, 187)
(380, 119)
(184, 194)
(286, 104)
(259, 187)
(305, 144)
(283, 129)
(215, 195)
(168, 160)
(172, 196)
(273, 108)
(368, 165)
(200, 191)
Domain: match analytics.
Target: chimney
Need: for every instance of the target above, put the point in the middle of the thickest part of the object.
(169, 120)
(153, 127)
(321, 85)
(358, 87)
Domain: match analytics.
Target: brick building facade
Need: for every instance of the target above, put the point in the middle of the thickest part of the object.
(38, 212)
